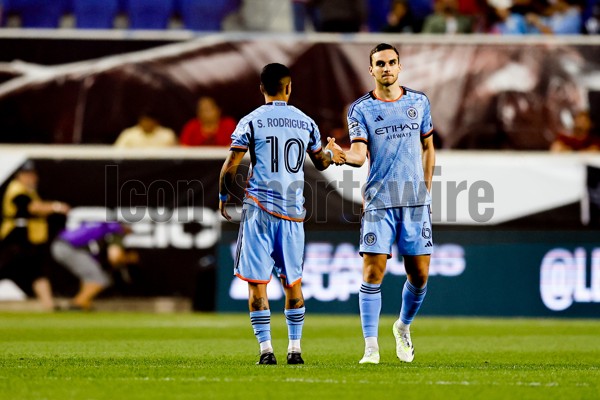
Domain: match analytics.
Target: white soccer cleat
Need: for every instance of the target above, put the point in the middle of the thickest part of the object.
(404, 348)
(371, 357)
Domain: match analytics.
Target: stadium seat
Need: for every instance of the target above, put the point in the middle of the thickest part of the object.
(149, 14)
(95, 14)
(37, 14)
(205, 15)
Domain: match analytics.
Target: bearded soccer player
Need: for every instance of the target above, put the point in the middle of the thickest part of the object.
(392, 126)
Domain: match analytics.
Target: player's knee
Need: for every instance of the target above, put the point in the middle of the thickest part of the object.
(418, 280)
(295, 302)
(373, 274)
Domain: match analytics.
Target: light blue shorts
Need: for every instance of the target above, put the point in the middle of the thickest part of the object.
(409, 227)
(267, 244)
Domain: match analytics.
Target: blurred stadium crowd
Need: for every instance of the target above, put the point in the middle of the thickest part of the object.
(398, 16)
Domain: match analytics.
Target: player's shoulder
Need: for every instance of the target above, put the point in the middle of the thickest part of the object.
(359, 102)
(412, 93)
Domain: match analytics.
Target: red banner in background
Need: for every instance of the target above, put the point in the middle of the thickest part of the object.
(484, 94)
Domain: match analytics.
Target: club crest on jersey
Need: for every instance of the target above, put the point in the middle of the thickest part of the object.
(412, 113)
(370, 239)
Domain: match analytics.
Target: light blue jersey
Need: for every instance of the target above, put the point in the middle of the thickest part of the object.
(278, 136)
(393, 131)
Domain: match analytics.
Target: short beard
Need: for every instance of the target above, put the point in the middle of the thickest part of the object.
(386, 84)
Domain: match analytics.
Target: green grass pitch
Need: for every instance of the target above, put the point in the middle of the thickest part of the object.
(207, 356)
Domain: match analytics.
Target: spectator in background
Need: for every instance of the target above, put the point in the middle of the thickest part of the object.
(146, 133)
(91, 252)
(399, 19)
(507, 22)
(345, 16)
(447, 20)
(563, 18)
(420, 10)
(471, 7)
(476, 10)
(24, 235)
(580, 138)
(302, 9)
(209, 128)
(508, 17)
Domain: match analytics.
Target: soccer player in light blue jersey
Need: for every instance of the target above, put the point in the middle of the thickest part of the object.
(392, 126)
(271, 236)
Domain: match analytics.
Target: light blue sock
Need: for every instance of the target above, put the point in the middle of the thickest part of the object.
(295, 321)
(369, 300)
(412, 298)
(261, 323)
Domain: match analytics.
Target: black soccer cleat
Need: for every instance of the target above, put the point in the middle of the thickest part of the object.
(267, 359)
(294, 358)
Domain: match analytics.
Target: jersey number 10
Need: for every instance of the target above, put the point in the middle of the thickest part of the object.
(291, 166)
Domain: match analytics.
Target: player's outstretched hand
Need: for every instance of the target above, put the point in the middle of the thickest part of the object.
(339, 156)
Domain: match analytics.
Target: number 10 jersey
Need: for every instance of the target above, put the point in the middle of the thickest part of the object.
(277, 136)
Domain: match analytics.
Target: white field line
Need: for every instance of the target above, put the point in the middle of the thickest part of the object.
(215, 379)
